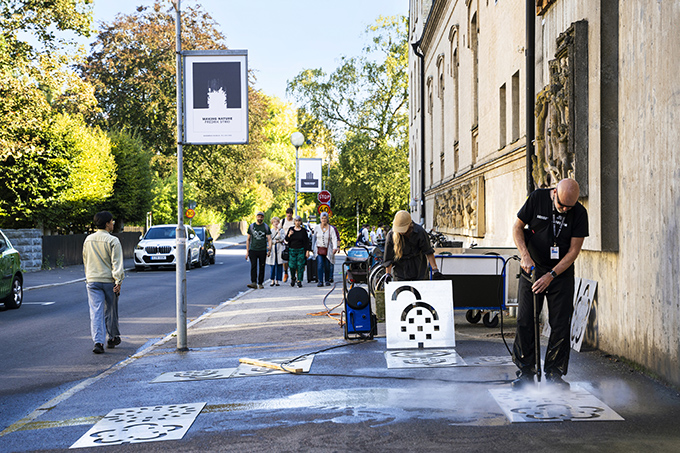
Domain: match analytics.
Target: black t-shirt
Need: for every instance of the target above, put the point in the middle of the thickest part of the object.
(297, 239)
(413, 263)
(548, 227)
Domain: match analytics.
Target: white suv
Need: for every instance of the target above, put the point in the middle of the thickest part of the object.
(157, 248)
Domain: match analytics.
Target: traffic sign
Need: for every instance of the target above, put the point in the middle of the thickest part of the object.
(190, 213)
(324, 197)
(325, 208)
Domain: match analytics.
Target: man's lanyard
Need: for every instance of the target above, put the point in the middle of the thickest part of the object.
(557, 234)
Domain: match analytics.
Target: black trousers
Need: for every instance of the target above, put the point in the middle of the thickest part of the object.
(257, 262)
(560, 296)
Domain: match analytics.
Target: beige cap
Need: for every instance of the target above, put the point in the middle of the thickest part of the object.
(402, 220)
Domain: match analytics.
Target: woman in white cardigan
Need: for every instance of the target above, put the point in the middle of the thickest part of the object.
(324, 246)
(274, 259)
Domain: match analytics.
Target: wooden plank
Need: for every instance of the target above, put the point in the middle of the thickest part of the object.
(274, 366)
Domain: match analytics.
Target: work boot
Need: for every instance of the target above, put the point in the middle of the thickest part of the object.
(252, 285)
(524, 379)
(557, 381)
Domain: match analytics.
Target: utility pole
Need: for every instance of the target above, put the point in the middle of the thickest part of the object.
(180, 236)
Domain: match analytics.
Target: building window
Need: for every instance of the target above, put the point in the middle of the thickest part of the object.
(502, 120)
(515, 107)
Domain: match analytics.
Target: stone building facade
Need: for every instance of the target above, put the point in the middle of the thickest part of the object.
(606, 105)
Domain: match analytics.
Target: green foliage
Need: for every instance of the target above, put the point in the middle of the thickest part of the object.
(364, 103)
(131, 198)
(57, 178)
(132, 67)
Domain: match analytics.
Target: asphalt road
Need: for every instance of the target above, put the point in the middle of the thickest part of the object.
(46, 344)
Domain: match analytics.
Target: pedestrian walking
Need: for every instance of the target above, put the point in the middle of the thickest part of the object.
(549, 232)
(408, 250)
(364, 236)
(274, 258)
(286, 223)
(324, 246)
(298, 249)
(104, 274)
(258, 246)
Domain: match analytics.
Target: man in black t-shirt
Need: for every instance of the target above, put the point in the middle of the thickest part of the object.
(549, 232)
(258, 247)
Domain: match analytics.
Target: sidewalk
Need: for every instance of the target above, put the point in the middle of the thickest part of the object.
(349, 400)
(71, 274)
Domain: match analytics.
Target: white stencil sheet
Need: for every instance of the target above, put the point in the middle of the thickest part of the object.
(196, 375)
(423, 358)
(501, 360)
(584, 294)
(419, 314)
(141, 424)
(245, 370)
(552, 405)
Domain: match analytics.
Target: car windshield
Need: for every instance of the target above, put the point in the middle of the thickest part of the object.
(200, 232)
(160, 233)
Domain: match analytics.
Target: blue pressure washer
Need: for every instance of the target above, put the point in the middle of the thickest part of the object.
(360, 322)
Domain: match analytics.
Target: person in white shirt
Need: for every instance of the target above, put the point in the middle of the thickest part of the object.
(104, 274)
(324, 246)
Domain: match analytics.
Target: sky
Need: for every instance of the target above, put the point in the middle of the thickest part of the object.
(282, 37)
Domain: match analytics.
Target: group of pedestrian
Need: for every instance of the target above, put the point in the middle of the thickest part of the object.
(287, 248)
(372, 235)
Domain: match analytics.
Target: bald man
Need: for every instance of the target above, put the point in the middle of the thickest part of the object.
(549, 232)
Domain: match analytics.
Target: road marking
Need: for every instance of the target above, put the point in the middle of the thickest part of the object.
(39, 303)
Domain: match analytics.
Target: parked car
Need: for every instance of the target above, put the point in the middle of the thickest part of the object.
(11, 278)
(207, 245)
(157, 248)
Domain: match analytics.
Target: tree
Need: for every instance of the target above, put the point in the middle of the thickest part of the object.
(364, 103)
(132, 67)
(132, 197)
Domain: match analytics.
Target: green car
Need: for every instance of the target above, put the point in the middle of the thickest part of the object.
(12, 283)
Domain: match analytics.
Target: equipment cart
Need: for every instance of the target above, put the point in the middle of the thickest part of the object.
(480, 285)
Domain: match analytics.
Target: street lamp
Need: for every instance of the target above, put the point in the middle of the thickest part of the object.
(297, 139)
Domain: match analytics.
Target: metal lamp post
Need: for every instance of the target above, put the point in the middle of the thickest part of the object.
(297, 139)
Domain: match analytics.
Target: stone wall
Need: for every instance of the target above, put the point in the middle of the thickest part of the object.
(29, 244)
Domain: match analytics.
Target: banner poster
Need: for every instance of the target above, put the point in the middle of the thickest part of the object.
(216, 97)
(309, 175)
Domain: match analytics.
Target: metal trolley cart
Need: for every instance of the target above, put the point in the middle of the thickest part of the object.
(480, 285)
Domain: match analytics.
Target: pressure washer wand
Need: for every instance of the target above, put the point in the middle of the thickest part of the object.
(537, 334)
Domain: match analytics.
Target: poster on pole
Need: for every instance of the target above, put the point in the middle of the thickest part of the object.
(309, 175)
(215, 97)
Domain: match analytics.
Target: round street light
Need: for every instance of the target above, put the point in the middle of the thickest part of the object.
(297, 139)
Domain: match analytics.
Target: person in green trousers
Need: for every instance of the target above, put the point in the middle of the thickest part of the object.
(298, 250)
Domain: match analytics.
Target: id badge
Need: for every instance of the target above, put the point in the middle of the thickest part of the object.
(554, 253)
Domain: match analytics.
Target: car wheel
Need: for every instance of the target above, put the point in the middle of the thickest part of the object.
(188, 263)
(16, 296)
(212, 257)
(199, 262)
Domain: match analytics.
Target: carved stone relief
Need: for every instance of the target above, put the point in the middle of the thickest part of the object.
(562, 114)
(460, 209)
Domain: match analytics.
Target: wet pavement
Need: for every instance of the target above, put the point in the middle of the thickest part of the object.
(349, 400)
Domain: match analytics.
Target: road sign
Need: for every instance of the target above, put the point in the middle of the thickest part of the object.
(325, 208)
(324, 197)
(190, 213)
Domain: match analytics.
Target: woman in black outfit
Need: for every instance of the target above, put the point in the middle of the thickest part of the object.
(298, 249)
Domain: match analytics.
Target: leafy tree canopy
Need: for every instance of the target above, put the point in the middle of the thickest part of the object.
(364, 103)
